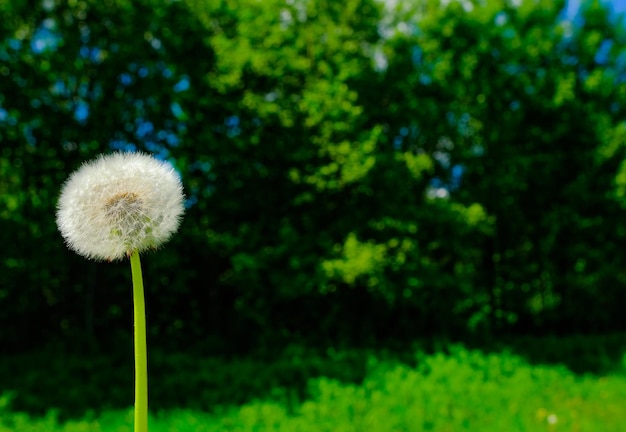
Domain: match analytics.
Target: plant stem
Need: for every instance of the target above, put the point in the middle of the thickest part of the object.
(141, 355)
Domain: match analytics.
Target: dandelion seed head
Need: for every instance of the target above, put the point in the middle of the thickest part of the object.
(119, 203)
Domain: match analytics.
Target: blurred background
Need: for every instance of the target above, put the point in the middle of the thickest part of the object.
(365, 181)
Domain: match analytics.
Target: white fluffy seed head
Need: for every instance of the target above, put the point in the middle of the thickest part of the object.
(119, 203)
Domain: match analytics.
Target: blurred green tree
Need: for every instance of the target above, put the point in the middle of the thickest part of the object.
(355, 171)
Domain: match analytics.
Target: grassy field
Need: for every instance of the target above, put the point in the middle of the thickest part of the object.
(459, 390)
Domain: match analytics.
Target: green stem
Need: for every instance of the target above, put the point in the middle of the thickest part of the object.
(141, 355)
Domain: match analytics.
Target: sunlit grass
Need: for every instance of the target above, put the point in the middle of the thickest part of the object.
(461, 391)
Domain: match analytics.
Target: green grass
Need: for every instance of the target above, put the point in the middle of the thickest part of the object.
(462, 390)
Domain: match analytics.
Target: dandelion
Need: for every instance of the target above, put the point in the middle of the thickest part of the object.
(118, 206)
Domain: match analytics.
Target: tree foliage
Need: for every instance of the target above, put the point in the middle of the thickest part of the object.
(354, 171)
